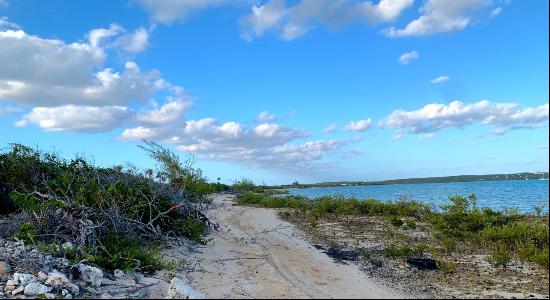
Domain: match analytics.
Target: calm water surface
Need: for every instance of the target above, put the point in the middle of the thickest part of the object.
(498, 195)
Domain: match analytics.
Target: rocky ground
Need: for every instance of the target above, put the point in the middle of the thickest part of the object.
(361, 240)
(26, 272)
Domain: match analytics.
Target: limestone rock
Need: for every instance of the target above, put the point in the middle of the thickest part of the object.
(118, 273)
(179, 289)
(23, 279)
(59, 280)
(35, 289)
(90, 275)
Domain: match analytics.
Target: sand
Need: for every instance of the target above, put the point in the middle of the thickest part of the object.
(254, 254)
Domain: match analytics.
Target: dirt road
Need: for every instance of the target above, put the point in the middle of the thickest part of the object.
(256, 255)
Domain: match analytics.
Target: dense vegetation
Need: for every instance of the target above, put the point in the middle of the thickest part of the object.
(504, 235)
(114, 217)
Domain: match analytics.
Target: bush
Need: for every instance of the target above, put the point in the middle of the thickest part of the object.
(410, 224)
(527, 241)
(396, 222)
(392, 250)
(73, 200)
(500, 256)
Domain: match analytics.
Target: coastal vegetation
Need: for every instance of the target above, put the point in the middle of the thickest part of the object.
(460, 226)
(114, 217)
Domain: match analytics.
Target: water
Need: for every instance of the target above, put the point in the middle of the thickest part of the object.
(498, 195)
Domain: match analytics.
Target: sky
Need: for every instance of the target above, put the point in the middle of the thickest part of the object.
(282, 90)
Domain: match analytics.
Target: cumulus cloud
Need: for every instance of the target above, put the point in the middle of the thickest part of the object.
(440, 79)
(169, 113)
(168, 11)
(441, 16)
(291, 22)
(266, 145)
(358, 126)
(51, 72)
(265, 117)
(76, 118)
(434, 117)
(92, 119)
(407, 57)
(330, 128)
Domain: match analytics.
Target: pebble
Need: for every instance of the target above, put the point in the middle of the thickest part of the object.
(4, 268)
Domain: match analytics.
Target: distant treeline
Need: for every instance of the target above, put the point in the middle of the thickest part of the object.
(445, 179)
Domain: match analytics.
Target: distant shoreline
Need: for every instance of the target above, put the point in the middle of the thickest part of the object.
(427, 180)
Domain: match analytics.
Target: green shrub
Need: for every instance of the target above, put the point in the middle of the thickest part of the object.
(26, 232)
(396, 222)
(61, 195)
(527, 241)
(194, 229)
(410, 224)
(446, 267)
(501, 256)
(121, 252)
(392, 250)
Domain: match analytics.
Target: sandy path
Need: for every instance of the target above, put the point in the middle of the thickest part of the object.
(257, 255)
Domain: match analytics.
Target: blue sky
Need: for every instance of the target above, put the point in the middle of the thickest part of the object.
(349, 90)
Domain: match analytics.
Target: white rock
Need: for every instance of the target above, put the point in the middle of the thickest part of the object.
(49, 296)
(23, 279)
(90, 275)
(10, 286)
(67, 245)
(66, 294)
(179, 289)
(18, 290)
(59, 280)
(118, 273)
(42, 276)
(35, 289)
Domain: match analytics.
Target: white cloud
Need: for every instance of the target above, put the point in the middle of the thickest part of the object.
(266, 145)
(495, 12)
(169, 113)
(291, 22)
(265, 117)
(440, 79)
(134, 42)
(168, 11)
(118, 37)
(330, 128)
(6, 24)
(358, 126)
(77, 118)
(6, 110)
(408, 57)
(263, 18)
(427, 136)
(434, 117)
(441, 16)
(51, 72)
